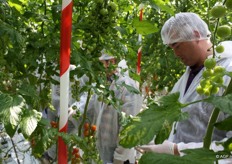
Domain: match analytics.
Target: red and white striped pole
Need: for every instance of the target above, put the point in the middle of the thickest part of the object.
(139, 55)
(65, 44)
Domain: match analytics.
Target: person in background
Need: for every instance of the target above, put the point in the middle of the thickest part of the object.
(189, 37)
(107, 118)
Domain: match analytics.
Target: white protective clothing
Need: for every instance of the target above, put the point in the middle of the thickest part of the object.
(199, 113)
(184, 27)
(107, 118)
(190, 132)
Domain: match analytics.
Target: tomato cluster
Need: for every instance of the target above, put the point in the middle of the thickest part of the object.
(220, 11)
(90, 139)
(89, 130)
(212, 78)
(54, 124)
(76, 158)
(98, 25)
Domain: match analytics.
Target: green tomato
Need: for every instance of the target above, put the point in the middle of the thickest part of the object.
(206, 91)
(200, 90)
(220, 49)
(113, 6)
(204, 83)
(218, 11)
(104, 12)
(230, 146)
(210, 63)
(219, 80)
(207, 73)
(219, 69)
(84, 45)
(214, 90)
(223, 31)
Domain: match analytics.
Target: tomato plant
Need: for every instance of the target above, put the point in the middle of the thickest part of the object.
(29, 58)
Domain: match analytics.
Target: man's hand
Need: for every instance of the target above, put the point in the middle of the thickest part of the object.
(166, 147)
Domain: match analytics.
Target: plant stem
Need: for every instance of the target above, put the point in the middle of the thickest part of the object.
(16, 154)
(85, 110)
(210, 128)
(213, 119)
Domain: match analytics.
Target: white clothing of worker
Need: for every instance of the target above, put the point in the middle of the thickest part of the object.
(189, 133)
(107, 118)
(199, 113)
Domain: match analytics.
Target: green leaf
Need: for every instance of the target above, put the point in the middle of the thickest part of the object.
(144, 27)
(9, 129)
(163, 6)
(44, 139)
(11, 108)
(154, 158)
(194, 156)
(29, 122)
(170, 100)
(223, 103)
(28, 90)
(130, 88)
(16, 6)
(163, 133)
(225, 124)
(202, 155)
(142, 129)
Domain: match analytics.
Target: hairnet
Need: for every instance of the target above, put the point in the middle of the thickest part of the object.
(106, 57)
(123, 68)
(182, 27)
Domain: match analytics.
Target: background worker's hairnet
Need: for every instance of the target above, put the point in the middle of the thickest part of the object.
(105, 56)
(183, 27)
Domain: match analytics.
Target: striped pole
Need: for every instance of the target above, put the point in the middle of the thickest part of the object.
(139, 55)
(65, 42)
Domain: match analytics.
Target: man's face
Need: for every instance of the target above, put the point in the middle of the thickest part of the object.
(109, 62)
(190, 52)
(109, 66)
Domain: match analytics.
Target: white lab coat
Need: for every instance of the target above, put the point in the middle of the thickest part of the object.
(190, 132)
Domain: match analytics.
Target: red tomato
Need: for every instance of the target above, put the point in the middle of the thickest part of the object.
(86, 126)
(54, 124)
(94, 128)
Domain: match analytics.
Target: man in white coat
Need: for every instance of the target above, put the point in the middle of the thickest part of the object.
(107, 118)
(188, 35)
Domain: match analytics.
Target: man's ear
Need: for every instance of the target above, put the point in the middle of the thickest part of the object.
(196, 34)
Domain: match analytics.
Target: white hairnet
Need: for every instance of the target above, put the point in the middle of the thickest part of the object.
(122, 68)
(106, 57)
(122, 64)
(182, 27)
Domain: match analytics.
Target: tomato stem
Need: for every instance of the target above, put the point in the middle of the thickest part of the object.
(85, 109)
(212, 121)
